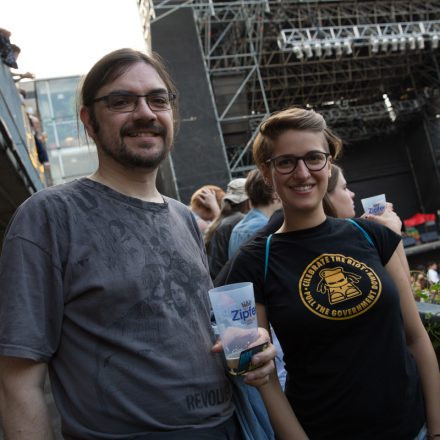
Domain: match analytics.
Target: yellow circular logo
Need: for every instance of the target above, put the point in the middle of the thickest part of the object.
(337, 287)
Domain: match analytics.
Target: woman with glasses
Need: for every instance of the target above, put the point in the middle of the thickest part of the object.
(360, 364)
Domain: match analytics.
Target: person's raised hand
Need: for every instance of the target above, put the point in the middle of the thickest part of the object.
(388, 218)
(208, 200)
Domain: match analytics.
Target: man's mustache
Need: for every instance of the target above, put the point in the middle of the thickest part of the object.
(150, 126)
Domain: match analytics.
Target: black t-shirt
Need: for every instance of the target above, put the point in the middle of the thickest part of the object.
(274, 223)
(336, 312)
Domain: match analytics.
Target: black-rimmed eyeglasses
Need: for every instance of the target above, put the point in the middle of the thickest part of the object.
(127, 102)
(287, 163)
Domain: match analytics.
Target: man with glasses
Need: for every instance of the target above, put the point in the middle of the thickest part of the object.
(105, 281)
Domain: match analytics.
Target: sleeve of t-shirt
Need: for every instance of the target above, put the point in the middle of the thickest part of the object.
(31, 294)
(384, 239)
(248, 265)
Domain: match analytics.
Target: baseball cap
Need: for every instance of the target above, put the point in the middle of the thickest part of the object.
(235, 191)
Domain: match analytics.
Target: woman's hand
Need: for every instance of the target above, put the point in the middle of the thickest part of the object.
(208, 200)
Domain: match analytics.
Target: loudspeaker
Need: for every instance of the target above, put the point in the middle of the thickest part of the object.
(427, 237)
(408, 241)
(198, 157)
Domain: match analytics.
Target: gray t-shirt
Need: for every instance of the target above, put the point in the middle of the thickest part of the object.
(112, 292)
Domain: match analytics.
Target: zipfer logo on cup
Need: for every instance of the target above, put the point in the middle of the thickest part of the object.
(377, 209)
(245, 313)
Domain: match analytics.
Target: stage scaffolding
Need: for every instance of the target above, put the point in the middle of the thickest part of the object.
(369, 66)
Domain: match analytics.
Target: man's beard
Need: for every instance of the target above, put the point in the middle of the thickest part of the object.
(123, 155)
(129, 159)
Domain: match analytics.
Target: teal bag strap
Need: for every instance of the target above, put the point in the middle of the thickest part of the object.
(266, 260)
(362, 230)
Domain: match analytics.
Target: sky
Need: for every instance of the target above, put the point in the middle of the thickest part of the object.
(66, 37)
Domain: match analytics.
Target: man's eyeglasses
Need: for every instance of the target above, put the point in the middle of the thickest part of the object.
(127, 102)
(286, 164)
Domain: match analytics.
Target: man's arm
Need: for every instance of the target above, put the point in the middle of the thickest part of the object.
(19, 76)
(23, 410)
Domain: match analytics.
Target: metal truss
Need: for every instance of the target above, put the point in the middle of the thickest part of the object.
(339, 114)
(147, 14)
(233, 33)
(373, 48)
(350, 40)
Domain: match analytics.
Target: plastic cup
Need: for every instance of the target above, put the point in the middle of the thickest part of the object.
(236, 318)
(374, 205)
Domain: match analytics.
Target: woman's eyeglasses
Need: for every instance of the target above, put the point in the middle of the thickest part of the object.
(287, 163)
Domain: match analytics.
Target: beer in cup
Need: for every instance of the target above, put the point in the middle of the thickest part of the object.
(236, 318)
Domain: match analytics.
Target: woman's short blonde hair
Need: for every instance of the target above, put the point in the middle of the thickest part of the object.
(293, 118)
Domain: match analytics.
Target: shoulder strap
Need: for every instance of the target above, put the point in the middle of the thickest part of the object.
(266, 260)
(355, 223)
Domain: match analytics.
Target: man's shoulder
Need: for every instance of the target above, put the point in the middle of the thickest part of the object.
(46, 207)
(52, 194)
(178, 207)
(181, 212)
(175, 203)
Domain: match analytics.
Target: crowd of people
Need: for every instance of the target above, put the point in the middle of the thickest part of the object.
(425, 282)
(104, 281)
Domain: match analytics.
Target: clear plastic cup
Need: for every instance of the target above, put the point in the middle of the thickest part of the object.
(374, 205)
(236, 319)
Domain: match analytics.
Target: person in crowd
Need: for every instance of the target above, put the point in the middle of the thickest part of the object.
(39, 139)
(235, 206)
(432, 273)
(5, 33)
(104, 280)
(339, 199)
(420, 281)
(263, 201)
(339, 300)
(6, 51)
(205, 205)
(17, 76)
(338, 202)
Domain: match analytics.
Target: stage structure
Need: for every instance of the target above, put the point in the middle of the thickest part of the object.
(369, 66)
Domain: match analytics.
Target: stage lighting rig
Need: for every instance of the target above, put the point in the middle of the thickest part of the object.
(345, 40)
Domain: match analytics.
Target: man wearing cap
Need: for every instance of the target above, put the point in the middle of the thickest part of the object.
(235, 206)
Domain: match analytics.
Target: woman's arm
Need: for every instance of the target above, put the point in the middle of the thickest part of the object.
(419, 345)
(282, 417)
